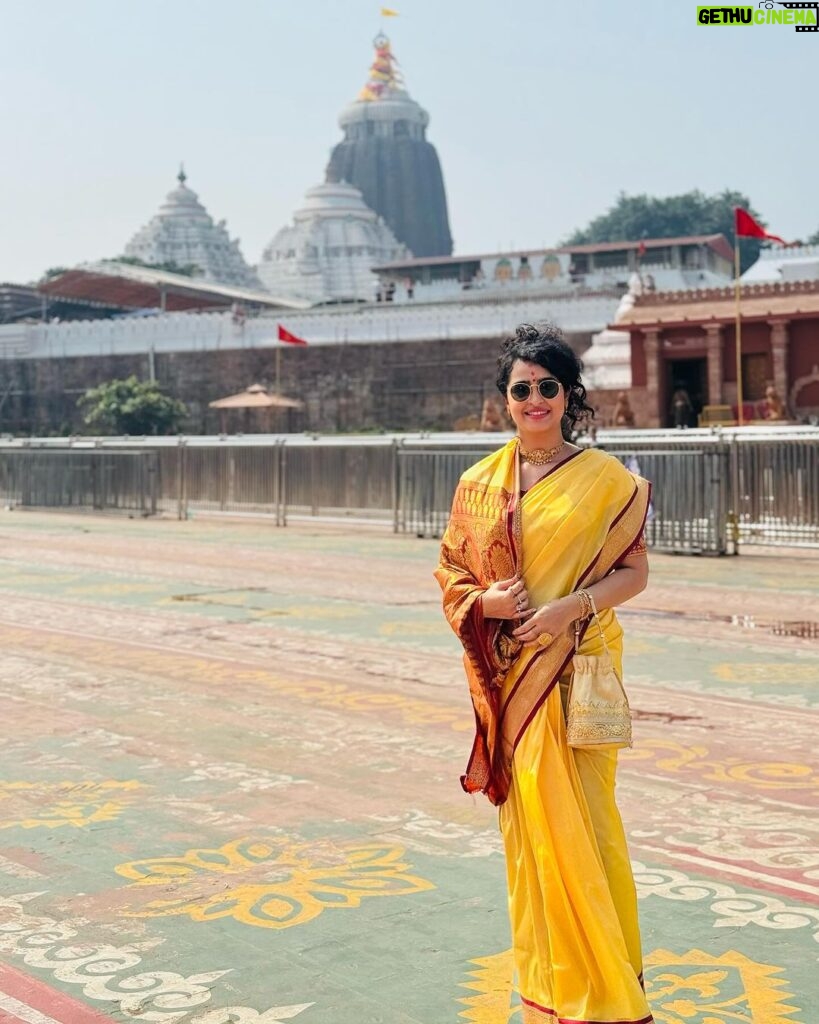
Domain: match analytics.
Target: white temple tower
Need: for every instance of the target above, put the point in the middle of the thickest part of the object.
(327, 253)
(183, 233)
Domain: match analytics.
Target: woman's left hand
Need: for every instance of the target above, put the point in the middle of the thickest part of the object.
(548, 622)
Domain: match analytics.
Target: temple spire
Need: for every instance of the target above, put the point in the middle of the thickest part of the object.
(385, 74)
(182, 177)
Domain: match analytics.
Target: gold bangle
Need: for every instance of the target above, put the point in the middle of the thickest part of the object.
(585, 604)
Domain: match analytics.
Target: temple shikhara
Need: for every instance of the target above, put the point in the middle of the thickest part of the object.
(364, 272)
(183, 234)
(385, 154)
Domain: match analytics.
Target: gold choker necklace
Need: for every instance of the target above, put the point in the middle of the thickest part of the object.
(541, 456)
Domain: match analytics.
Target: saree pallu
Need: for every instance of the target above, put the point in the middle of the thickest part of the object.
(572, 901)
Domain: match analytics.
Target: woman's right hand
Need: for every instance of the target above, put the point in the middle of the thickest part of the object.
(507, 599)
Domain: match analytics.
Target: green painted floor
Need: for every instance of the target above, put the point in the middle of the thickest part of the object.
(230, 780)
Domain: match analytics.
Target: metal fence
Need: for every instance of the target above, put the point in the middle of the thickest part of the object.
(712, 491)
(82, 480)
(689, 509)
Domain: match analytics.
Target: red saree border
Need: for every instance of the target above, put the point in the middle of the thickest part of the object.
(501, 724)
(523, 702)
(548, 689)
(534, 1013)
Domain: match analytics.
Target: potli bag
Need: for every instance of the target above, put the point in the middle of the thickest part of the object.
(598, 715)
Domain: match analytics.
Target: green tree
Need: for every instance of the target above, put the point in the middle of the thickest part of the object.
(692, 213)
(814, 238)
(131, 406)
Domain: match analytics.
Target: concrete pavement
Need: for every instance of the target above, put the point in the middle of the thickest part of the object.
(230, 763)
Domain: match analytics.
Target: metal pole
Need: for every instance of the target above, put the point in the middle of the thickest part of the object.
(733, 515)
(181, 511)
(396, 486)
(738, 332)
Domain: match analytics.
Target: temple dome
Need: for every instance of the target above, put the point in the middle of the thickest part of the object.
(327, 253)
(184, 233)
(385, 153)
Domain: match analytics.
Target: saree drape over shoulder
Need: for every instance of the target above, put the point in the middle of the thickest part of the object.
(571, 894)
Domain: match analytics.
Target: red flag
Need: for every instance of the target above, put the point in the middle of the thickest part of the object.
(746, 227)
(641, 250)
(291, 339)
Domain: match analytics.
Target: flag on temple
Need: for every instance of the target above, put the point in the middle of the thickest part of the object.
(291, 339)
(387, 12)
(746, 227)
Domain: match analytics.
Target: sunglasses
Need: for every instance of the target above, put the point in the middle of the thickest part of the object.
(547, 386)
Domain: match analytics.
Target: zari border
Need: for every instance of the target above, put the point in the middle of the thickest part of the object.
(533, 1013)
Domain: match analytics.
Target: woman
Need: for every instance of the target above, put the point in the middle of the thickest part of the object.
(532, 526)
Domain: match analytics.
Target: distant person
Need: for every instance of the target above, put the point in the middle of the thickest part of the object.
(623, 415)
(541, 534)
(773, 408)
(681, 408)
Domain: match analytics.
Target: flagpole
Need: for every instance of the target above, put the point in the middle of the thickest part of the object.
(738, 334)
(278, 367)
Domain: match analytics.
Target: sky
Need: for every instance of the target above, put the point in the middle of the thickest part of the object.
(541, 112)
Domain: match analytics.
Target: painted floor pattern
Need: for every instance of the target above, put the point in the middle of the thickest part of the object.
(229, 788)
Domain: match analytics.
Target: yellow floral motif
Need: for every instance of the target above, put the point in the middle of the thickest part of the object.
(766, 672)
(674, 757)
(493, 983)
(688, 988)
(273, 883)
(697, 988)
(55, 804)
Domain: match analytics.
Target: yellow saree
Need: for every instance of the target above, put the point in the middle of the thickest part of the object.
(571, 894)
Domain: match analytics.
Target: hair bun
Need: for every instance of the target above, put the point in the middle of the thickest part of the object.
(527, 332)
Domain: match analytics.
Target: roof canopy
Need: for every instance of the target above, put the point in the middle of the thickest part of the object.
(134, 287)
(660, 310)
(256, 397)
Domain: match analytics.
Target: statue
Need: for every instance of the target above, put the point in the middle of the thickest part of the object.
(491, 419)
(623, 415)
(772, 406)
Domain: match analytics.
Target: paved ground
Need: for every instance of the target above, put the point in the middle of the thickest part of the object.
(230, 758)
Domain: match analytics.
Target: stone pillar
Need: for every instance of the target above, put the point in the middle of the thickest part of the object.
(651, 347)
(779, 356)
(713, 342)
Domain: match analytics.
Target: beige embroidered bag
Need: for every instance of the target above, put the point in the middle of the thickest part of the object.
(597, 712)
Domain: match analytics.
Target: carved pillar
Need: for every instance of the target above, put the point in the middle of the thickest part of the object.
(713, 342)
(651, 347)
(779, 356)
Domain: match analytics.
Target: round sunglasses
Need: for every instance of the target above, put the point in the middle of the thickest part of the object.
(547, 386)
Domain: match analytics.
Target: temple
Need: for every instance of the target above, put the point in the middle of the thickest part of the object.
(327, 253)
(183, 235)
(385, 154)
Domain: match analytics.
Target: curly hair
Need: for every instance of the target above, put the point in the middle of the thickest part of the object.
(546, 346)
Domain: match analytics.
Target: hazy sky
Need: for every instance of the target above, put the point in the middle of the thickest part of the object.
(541, 113)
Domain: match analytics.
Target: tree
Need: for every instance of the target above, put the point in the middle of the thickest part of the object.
(53, 272)
(692, 213)
(131, 406)
(814, 238)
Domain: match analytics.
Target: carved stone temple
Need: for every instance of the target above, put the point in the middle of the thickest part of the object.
(385, 154)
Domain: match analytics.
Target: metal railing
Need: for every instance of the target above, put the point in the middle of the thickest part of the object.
(82, 480)
(713, 491)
